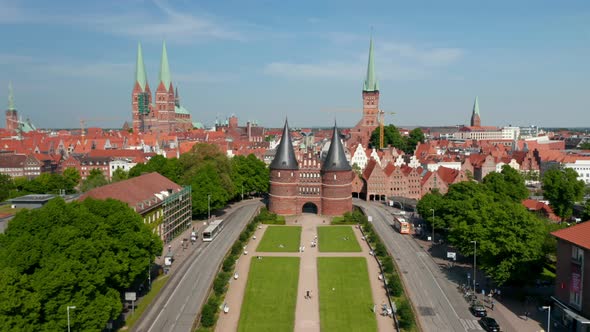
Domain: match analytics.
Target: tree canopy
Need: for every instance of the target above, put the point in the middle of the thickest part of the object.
(562, 188)
(93, 180)
(392, 136)
(83, 254)
(510, 239)
(215, 179)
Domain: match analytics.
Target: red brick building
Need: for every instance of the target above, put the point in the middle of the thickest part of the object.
(571, 302)
(166, 114)
(308, 185)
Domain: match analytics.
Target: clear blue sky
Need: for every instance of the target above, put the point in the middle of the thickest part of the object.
(528, 61)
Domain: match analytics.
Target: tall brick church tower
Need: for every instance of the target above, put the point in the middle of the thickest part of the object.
(165, 98)
(337, 178)
(11, 113)
(361, 133)
(475, 119)
(284, 176)
(141, 97)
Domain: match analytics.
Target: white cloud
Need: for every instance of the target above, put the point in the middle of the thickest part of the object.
(168, 23)
(15, 59)
(393, 61)
(90, 70)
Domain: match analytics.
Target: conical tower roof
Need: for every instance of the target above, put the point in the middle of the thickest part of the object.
(165, 68)
(140, 75)
(476, 106)
(371, 83)
(10, 97)
(336, 158)
(285, 156)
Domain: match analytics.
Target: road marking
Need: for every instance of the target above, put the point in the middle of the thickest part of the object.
(470, 324)
(421, 257)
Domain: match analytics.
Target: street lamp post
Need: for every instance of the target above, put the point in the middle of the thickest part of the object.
(68, 310)
(548, 308)
(432, 225)
(474, 262)
(150, 274)
(208, 207)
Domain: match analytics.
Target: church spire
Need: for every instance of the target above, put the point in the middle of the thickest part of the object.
(165, 68)
(336, 158)
(285, 155)
(371, 83)
(476, 106)
(140, 76)
(10, 97)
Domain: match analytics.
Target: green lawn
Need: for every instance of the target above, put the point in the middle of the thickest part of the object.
(345, 297)
(337, 239)
(275, 236)
(271, 295)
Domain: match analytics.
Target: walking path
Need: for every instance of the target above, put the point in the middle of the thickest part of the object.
(307, 312)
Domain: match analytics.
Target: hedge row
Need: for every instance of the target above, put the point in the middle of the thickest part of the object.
(209, 312)
(405, 315)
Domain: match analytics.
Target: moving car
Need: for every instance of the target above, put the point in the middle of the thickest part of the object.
(489, 324)
(477, 309)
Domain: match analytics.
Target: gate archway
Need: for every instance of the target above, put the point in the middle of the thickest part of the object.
(309, 207)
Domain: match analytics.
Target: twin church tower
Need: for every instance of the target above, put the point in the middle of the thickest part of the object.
(323, 187)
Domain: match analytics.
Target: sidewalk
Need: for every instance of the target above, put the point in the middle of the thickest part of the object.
(508, 311)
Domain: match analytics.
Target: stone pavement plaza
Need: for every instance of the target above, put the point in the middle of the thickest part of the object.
(307, 312)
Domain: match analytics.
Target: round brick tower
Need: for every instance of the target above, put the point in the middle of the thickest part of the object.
(337, 178)
(284, 175)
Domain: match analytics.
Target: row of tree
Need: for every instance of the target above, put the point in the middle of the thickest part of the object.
(215, 178)
(83, 254)
(512, 243)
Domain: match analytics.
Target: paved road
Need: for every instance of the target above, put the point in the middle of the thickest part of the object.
(179, 301)
(439, 306)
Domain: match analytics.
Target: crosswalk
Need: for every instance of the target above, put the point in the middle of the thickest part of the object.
(470, 324)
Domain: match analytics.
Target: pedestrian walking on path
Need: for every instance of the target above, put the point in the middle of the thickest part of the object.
(492, 305)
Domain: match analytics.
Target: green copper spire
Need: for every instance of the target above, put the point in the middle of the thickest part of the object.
(164, 68)
(10, 97)
(140, 76)
(476, 106)
(371, 83)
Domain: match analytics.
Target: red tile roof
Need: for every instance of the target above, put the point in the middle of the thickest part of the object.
(135, 190)
(578, 234)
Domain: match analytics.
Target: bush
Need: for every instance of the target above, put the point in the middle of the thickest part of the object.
(208, 314)
(236, 249)
(228, 263)
(405, 315)
(381, 251)
(394, 285)
(220, 283)
(387, 265)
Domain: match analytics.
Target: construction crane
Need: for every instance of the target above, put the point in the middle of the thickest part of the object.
(381, 126)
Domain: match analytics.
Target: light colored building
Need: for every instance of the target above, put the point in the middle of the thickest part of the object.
(359, 157)
(582, 167)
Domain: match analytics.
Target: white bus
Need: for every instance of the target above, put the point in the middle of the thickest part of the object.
(211, 231)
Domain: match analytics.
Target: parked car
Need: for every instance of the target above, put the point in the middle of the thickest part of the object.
(489, 324)
(478, 309)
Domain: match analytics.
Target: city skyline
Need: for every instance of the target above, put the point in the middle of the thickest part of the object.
(71, 61)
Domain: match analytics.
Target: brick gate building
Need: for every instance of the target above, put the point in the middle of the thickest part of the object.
(315, 186)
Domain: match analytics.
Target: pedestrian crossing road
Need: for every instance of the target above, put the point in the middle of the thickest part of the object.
(470, 324)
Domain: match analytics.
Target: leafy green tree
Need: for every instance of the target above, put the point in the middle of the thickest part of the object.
(95, 179)
(169, 168)
(586, 212)
(391, 136)
(119, 175)
(71, 178)
(416, 136)
(82, 253)
(249, 174)
(430, 201)
(585, 146)
(562, 188)
(508, 184)
(6, 185)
